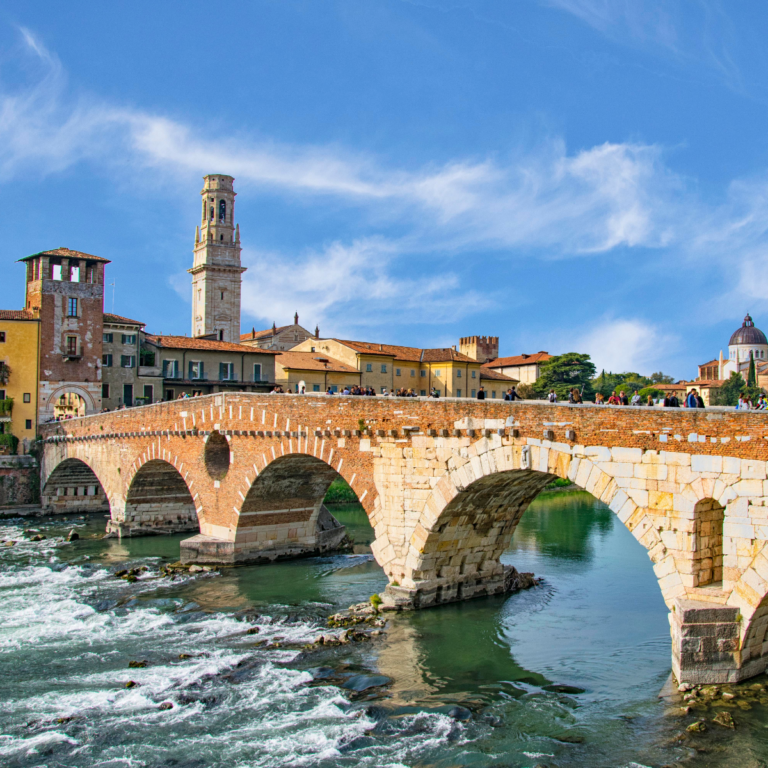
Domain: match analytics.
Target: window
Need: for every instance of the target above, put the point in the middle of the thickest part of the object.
(108, 338)
(257, 371)
(129, 338)
(474, 374)
(71, 345)
(196, 370)
(226, 372)
(413, 372)
(89, 275)
(397, 371)
(334, 388)
(474, 391)
(458, 393)
(369, 367)
(29, 424)
(423, 374)
(127, 361)
(423, 392)
(222, 295)
(71, 307)
(170, 370)
(383, 368)
(383, 390)
(106, 361)
(74, 274)
(169, 394)
(438, 372)
(315, 387)
(105, 391)
(27, 397)
(221, 335)
(222, 210)
(55, 271)
(493, 394)
(2, 337)
(312, 349)
(149, 394)
(458, 374)
(128, 394)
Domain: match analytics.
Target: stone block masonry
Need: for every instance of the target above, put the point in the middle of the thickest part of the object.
(445, 483)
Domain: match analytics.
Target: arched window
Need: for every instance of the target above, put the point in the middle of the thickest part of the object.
(210, 213)
(203, 210)
(222, 211)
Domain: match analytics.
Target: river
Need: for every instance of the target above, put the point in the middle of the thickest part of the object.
(565, 674)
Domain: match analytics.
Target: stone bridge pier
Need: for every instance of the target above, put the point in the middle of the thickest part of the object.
(444, 484)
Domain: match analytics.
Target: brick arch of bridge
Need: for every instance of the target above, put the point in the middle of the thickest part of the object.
(283, 514)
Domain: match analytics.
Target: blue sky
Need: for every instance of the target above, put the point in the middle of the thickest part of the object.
(570, 175)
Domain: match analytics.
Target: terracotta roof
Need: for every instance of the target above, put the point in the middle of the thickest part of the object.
(312, 361)
(119, 320)
(503, 362)
(709, 383)
(407, 354)
(262, 334)
(17, 314)
(67, 253)
(488, 373)
(204, 345)
(711, 362)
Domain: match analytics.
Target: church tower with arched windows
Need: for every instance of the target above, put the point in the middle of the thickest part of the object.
(216, 271)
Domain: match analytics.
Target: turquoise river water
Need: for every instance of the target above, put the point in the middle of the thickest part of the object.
(565, 674)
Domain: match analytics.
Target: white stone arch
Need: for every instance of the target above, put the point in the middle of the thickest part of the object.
(487, 457)
(63, 389)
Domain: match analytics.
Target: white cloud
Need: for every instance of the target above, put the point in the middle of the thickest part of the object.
(623, 344)
(331, 287)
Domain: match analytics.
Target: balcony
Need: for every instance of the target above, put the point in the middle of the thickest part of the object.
(72, 356)
(147, 371)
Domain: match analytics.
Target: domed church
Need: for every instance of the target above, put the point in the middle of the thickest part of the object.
(744, 340)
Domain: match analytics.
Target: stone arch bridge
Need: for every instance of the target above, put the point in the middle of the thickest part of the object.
(444, 483)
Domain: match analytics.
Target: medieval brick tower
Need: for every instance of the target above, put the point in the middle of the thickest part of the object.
(216, 272)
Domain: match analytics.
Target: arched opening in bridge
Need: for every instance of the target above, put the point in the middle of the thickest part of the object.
(73, 487)
(69, 405)
(708, 557)
(158, 501)
(217, 455)
(283, 514)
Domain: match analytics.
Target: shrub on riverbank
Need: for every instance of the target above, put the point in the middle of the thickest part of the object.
(340, 493)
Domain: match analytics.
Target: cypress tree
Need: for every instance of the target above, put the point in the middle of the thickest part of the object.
(751, 375)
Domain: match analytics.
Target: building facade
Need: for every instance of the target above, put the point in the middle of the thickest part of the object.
(65, 291)
(391, 367)
(203, 366)
(19, 346)
(280, 338)
(216, 271)
(525, 368)
(312, 372)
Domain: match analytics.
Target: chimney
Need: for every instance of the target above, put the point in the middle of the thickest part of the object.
(296, 318)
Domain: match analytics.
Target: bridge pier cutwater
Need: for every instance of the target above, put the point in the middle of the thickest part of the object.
(444, 483)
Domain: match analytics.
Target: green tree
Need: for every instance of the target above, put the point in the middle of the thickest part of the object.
(752, 375)
(730, 392)
(661, 378)
(564, 372)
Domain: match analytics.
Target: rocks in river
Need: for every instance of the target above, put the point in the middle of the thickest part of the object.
(252, 631)
(130, 684)
(195, 568)
(137, 664)
(698, 727)
(9, 544)
(166, 705)
(73, 535)
(37, 537)
(360, 683)
(723, 719)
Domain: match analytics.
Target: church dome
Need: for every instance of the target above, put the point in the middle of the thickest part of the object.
(747, 334)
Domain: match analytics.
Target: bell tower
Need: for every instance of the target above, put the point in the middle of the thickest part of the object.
(216, 271)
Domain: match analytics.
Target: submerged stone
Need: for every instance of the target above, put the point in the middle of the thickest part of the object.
(361, 683)
(571, 689)
(724, 719)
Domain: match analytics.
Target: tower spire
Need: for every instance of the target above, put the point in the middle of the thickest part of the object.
(216, 271)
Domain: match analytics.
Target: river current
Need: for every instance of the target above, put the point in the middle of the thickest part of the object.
(565, 674)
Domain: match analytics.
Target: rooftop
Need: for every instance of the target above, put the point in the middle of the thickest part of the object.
(263, 334)
(312, 361)
(489, 373)
(17, 314)
(119, 320)
(408, 354)
(204, 345)
(503, 362)
(67, 253)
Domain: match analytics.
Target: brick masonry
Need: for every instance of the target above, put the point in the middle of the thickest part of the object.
(444, 484)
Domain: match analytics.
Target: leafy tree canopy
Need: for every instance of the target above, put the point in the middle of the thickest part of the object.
(730, 392)
(629, 382)
(564, 372)
(661, 378)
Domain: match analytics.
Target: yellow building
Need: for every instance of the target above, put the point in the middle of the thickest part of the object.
(392, 368)
(19, 345)
(314, 372)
